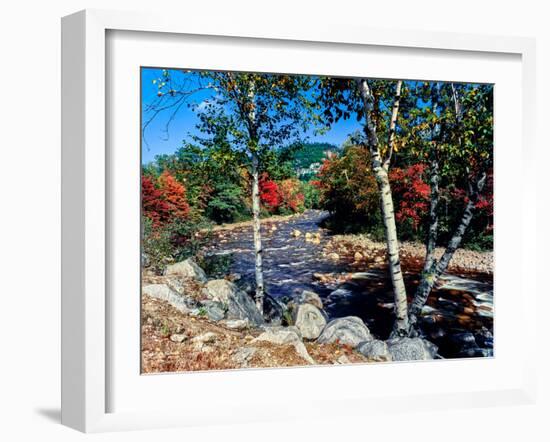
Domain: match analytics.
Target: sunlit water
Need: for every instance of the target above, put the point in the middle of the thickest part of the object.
(458, 317)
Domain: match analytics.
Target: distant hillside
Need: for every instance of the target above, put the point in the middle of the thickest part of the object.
(311, 153)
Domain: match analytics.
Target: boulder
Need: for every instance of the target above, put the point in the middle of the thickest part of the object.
(375, 350)
(349, 330)
(243, 355)
(308, 297)
(239, 304)
(273, 310)
(285, 336)
(236, 324)
(411, 349)
(309, 320)
(214, 310)
(188, 269)
(161, 291)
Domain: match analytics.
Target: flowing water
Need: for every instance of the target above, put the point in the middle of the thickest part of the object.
(458, 317)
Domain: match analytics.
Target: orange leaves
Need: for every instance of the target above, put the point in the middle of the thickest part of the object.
(164, 199)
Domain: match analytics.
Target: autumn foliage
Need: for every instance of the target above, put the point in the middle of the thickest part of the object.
(284, 196)
(411, 193)
(163, 200)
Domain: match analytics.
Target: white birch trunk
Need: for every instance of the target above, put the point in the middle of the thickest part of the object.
(257, 234)
(429, 279)
(256, 224)
(401, 326)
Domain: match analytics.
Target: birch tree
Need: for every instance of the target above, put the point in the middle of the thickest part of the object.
(256, 112)
(456, 135)
(376, 104)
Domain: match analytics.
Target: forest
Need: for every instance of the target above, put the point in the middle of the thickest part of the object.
(348, 219)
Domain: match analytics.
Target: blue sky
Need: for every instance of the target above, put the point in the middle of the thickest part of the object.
(158, 141)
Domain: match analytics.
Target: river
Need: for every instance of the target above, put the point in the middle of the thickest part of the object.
(458, 317)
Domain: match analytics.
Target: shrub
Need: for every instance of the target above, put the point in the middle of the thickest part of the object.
(172, 242)
(348, 190)
(226, 204)
(173, 194)
(291, 197)
(269, 194)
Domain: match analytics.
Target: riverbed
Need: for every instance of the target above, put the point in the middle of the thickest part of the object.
(458, 317)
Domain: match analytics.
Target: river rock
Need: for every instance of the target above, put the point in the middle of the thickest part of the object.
(188, 268)
(375, 350)
(178, 337)
(309, 320)
(411, 349)
(237, 324)
(285, 336)
(273, 310)
(214, 310)
(350, 330)
(340, 295)
(296, 233)
(358, 256)
(161, 291)
(244, 355)
(334, 256)
(309, 297)
(206, 338)
(239, 304)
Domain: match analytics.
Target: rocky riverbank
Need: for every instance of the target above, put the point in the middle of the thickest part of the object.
(192, 323)
(362, 250)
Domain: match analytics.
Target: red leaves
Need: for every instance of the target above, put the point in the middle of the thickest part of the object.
(291, 197)
(269, 193)
(174, 194)
(282, 196)
(164, 200)
(411, 194)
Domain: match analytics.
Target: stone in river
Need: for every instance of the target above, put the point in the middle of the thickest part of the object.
(309, 297)
(358, 256)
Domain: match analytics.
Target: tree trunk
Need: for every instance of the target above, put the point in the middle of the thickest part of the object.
(400, 293)
(401, 326)
(257, 234)
(429, 279)
(256, 224)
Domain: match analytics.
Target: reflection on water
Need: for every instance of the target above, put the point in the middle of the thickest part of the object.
(458, 317)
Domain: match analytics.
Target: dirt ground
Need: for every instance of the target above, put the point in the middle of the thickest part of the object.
(162, 324)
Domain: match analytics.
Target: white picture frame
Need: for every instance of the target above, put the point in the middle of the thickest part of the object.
(85, 197)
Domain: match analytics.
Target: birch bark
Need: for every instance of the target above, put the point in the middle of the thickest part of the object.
(259, 298)
(430, 278)
(380, 170)
(256, 224)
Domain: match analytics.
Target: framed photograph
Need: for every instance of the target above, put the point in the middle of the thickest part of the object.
(255, 212)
